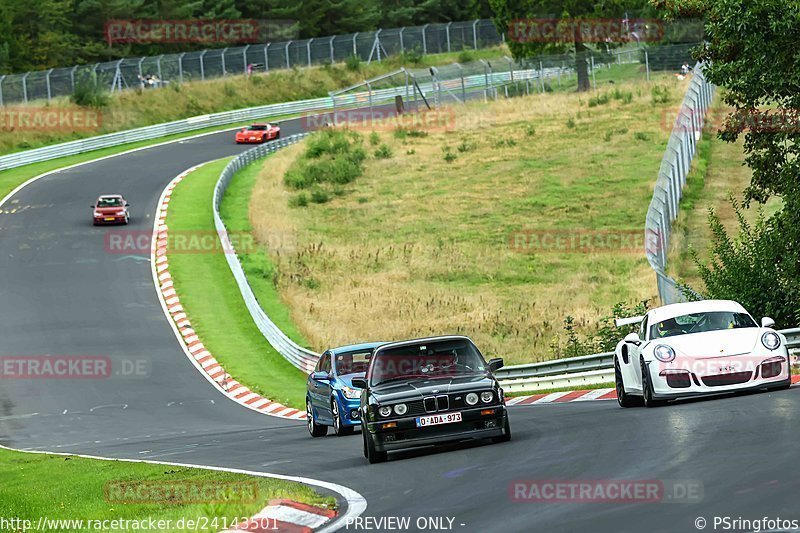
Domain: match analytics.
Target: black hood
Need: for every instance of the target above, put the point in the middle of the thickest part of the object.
(417, 388)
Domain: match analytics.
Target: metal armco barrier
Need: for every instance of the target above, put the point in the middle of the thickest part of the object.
(664, 207)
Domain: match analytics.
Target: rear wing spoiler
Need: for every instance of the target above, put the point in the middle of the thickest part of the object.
(619, 322)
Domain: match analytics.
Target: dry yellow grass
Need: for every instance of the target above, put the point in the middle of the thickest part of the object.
(420, 246)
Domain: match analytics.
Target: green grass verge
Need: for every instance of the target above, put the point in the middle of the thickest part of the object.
(561, 389)
(72, 488)
(214, 305)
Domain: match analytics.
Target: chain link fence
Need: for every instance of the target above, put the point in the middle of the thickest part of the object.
(675, 166)
(155, 71)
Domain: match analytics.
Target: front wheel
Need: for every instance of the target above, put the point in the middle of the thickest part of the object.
(339, 428)
(373, 455)
(647, 389)
(623, 398)
(505, 437)
(316, 430)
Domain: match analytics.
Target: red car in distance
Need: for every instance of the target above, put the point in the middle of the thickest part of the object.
(110, 209)
(258, 133)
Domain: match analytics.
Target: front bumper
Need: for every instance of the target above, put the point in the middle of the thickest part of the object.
(751, 374)
(115, 219)
(349, 411)
(473, 426)
(259, 140)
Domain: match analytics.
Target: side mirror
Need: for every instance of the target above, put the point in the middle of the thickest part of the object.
(127, 204)
(767, 322)
(320, 376)
(632, 338)
(359, 383)
(495, 364)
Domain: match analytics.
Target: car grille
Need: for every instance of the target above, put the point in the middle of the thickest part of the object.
(443, 403)
(722, 380)
(415, 408)
(430, 404)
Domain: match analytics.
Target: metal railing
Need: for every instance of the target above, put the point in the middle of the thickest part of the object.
(214, 63)
(675, 166)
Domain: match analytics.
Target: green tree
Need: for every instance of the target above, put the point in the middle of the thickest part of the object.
(751, 51)
(508, 11)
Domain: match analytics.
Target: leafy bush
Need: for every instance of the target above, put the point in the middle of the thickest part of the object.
(383, 152)
(465, 56)
(465, 146)
(641, 136)
(402, 133)
(353, 63)
(571, 123)
(300, 200)
(89, 93)
(320, 196)
(449, 156)
(659, 94)
(374, 138)
(530, 130)
(600, 99)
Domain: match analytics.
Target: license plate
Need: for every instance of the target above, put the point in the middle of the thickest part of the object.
(435, 420)
(110, 218)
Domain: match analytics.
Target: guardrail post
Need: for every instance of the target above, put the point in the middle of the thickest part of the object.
(308, 51)
(222, 57)
(2, 77)
(369, 88)
(180, 66)
(287, 54)
(475, 34)
(266, 58)
(47, 82)
(25, 87)
(447, 32)
(424, 39)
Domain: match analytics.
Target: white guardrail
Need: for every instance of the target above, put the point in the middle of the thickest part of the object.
(238, 116)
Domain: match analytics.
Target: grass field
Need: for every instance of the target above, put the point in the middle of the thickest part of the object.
(424, 242)
(136, 108)
(214, 305)
(66, 487)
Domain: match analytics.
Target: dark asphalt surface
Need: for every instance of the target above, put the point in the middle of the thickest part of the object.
(63, 294)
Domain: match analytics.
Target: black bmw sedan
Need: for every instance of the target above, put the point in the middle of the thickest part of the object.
(429, 391)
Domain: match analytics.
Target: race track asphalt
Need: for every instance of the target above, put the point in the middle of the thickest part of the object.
(62, 293)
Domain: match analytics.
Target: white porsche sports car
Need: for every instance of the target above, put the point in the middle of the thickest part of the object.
(698, 348)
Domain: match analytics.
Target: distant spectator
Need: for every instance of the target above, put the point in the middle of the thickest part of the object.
(250, 68)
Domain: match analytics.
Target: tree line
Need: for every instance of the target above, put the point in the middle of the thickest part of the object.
(58, 33)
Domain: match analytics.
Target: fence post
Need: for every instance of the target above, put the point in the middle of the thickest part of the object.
(355, 47)
(424, 39)
(158, 68)
(287, 54)
(447, 31)
(1, 88)
(487, 68)
(594, 80)
(369, 88)
(463, 83)
(402, 47)
(202, 65)
(647, 64)
(244, 58)
(475, 34)
(308, 51)
(47, 82)
(266, 57)
(222, 58)
(180, 66)
(378, 43)
(141, 74)
(72, 77)
(541, 76)
(25, 87)
(333, 59)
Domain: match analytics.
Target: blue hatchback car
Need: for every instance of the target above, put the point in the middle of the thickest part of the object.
(331, 399)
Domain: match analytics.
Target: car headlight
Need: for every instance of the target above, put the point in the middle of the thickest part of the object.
(771, 340)
(471, 398)
(351, 393)
(385, 411)
(400, 409)
(486, 397)
(664, 353)
(98, 214)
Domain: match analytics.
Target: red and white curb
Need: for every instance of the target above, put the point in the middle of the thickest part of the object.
(286, 516)
(192, 345)
(577, 396)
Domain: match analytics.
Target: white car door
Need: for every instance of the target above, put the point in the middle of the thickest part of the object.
(629, 365)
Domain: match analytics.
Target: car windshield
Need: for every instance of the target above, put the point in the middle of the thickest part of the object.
(352, 362)
(431, 359)
(109, 202)
(701, 322)
(257, 127)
